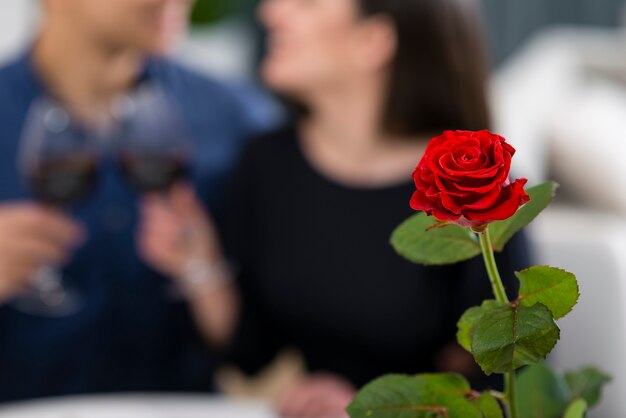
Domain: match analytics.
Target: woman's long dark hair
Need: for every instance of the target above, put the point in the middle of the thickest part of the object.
(439, 73)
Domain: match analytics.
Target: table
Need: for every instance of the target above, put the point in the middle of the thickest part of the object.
(139, 406)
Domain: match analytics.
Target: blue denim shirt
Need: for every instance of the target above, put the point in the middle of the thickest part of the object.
(130, 336)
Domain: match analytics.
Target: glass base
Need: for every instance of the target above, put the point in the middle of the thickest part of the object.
(48, 305)
(48, 297)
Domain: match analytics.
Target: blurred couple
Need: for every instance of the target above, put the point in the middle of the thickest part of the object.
(278, 235)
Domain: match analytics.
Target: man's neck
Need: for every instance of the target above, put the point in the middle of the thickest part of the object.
(79, 71)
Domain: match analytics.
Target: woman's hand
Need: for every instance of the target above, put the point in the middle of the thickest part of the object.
(454, 359)
(175, 229)
(177, 238)
(317, 396)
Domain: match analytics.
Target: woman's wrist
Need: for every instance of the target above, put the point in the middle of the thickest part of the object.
(202, 276)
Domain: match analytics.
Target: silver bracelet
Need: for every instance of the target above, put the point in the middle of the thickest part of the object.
(201, 276)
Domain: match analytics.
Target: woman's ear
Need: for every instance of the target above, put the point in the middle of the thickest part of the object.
(377, 43)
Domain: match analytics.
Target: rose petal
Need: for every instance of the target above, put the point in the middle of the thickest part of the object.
(450, 188)
(478, 185)
(420, 202)
(512, 197)
(484, 201)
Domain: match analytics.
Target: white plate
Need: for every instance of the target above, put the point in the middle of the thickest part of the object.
(138, 406)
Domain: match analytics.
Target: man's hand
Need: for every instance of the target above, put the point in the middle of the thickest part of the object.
(317, 396)
(32, 236)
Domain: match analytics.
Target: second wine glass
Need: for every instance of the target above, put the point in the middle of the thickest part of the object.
(154, 155)
(155, 149)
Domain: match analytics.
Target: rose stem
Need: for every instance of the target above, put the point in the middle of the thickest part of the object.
(500, 294)
(492, 268)
(509, 383)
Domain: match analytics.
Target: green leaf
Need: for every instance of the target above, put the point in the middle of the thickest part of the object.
(469, 320)
(541, 393)
(540, 197)
(577, 409)
(511, 336)
(489, 406)
(419, 240)
(555, 288)
(587, 383)
(422, 396)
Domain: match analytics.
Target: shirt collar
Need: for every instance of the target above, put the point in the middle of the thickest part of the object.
(30, 78)
(35, 85)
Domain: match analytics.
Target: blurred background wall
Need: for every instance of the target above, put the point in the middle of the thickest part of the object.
(230, 22)
(511, 22)
(16, 25)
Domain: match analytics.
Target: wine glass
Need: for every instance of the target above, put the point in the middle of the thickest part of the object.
(58, 160)
(155, 149)
(154, 155)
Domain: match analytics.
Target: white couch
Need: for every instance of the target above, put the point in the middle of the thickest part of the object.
(592, 245)
(558, 102)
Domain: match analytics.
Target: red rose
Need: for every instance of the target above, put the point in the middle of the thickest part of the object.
(463, 178)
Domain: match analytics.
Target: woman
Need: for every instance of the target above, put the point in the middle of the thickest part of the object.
(373, 80)
(314, 204)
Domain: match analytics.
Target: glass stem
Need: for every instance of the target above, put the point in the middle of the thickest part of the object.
(500, 295)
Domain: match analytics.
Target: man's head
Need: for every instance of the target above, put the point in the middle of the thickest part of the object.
(151, 26)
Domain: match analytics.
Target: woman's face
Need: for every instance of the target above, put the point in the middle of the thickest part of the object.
(314, 44)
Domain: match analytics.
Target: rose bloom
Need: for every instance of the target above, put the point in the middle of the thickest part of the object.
(463, 178)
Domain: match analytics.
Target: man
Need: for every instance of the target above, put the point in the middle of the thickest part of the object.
(128, 336)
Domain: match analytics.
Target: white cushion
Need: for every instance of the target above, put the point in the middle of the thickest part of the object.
(591, 245)
(588, 147)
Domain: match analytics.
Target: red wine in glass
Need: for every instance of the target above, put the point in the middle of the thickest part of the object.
(154, 149)
(64, 180)
(153, 173)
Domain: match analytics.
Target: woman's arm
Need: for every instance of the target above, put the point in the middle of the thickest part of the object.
(178, 239)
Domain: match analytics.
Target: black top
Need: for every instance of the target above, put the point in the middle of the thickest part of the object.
(317, 271)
